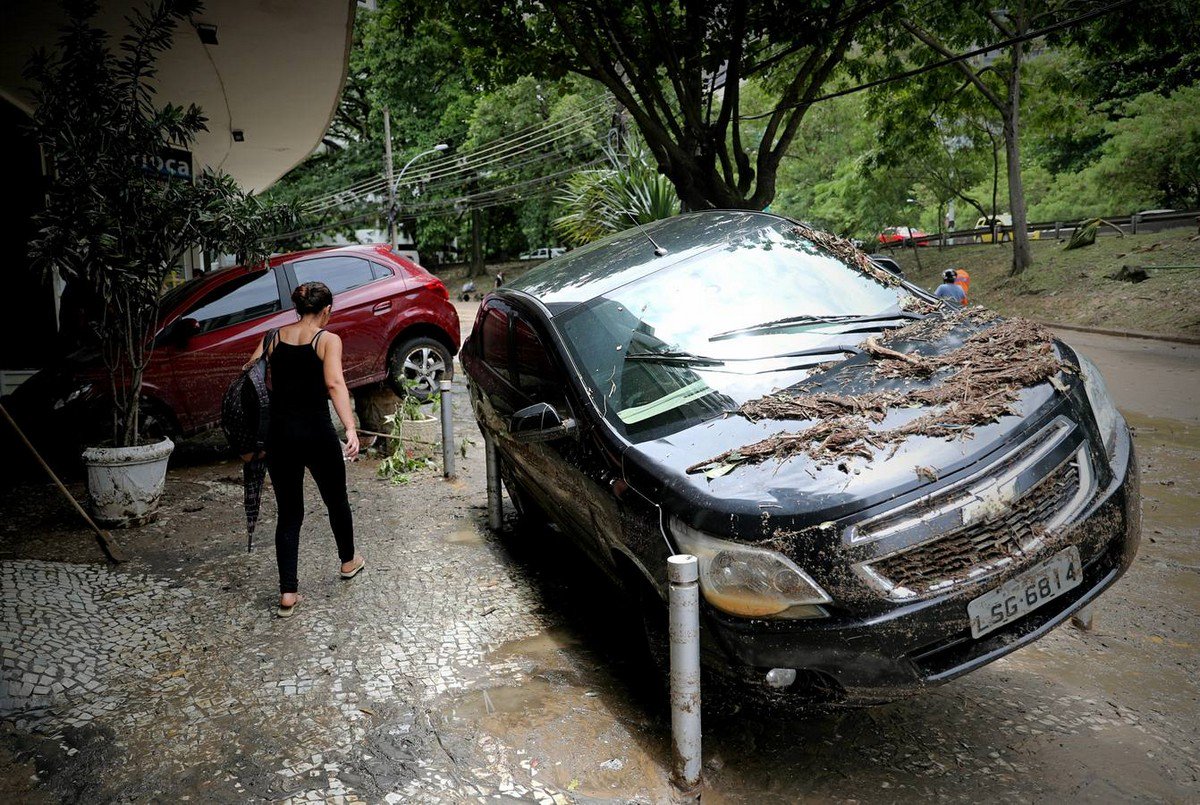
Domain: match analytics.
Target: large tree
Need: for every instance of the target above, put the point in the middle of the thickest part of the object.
(678, 68)
(946, 31)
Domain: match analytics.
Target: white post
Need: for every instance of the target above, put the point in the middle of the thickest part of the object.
(495, 505)
(447, 405)
(387, 167)
(684, 597)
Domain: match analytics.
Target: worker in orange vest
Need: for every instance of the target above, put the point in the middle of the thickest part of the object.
(963, 280)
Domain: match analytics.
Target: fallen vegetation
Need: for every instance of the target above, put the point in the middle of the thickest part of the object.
(972, 385)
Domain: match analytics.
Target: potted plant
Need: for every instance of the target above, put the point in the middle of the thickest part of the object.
(416, 433)
(114, 228)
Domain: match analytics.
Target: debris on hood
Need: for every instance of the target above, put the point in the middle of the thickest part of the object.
(972, 385)
(845, 250)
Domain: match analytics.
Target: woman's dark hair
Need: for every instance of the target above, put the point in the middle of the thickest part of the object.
(312, 297)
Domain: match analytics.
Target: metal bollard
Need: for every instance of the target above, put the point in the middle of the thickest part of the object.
(495, 505)
(683, 574)
(447, 404)
(1085, 618)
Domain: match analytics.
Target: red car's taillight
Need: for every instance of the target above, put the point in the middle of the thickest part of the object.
(439, 288)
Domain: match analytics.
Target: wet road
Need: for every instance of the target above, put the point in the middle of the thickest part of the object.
(1148, 378)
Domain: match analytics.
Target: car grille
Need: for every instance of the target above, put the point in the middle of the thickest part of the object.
(981, 548)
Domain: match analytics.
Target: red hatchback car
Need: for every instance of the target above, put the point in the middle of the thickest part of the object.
(395, 319)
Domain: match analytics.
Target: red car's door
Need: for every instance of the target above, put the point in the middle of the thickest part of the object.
(213, 338)
(361, 306)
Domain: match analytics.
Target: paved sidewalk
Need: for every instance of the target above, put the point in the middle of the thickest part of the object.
(169, 676)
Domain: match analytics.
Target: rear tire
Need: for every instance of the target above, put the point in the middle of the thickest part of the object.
(417, 366)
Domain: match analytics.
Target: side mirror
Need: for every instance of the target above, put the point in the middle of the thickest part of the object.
(183, 331)
(177, 333)
(539, 423)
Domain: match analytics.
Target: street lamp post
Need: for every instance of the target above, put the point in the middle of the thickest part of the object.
(393, 235)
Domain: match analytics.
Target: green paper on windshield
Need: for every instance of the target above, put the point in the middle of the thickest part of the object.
(682, 396)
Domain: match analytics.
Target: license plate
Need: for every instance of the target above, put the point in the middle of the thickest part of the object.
(1017, 597)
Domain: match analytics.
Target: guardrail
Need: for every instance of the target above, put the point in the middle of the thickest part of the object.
(1137, 223)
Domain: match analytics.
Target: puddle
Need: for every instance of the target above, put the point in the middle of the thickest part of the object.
(464, 536)
(530, 699)
(539, 647)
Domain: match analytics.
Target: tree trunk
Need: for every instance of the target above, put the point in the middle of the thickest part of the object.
(1022, 256)
(477, 268)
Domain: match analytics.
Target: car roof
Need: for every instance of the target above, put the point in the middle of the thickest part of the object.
(203, 283)
(600, 267)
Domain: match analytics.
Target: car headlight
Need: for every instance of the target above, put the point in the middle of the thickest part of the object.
(750, 581)
(1108, 419)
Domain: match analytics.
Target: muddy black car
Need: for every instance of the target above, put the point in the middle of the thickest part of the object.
(883, 493)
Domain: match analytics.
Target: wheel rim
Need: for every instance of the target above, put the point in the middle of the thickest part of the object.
(422, 369)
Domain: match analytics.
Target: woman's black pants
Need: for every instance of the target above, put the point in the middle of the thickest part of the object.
(293, 446)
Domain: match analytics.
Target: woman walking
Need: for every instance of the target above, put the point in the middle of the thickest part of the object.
(306, 372)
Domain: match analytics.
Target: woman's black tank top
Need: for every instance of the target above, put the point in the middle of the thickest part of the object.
(298, 380)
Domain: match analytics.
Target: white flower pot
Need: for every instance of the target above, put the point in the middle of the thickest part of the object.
(421, 436)
(125, 483)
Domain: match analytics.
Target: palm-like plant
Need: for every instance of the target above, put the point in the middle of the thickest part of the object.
(600, 201)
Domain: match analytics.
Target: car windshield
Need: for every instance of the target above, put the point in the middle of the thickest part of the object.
(698, 338)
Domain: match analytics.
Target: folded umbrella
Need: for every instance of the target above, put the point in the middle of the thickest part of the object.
(254, 472)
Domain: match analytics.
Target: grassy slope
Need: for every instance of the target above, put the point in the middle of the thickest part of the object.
(1072, 288)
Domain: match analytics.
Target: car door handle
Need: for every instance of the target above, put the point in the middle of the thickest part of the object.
(382, 307)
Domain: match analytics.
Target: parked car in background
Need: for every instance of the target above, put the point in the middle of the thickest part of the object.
(395, 320)
(867, 561)
(901, 235)
(543, 254)
(1002, 227)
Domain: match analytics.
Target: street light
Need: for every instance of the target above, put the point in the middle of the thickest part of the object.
(393, 186)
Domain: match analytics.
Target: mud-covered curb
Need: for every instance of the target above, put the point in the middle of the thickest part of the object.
(1177, 339)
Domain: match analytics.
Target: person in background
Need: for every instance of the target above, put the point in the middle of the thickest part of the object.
(499, 279)
(306, 373)
(963, 280)
(949, 289)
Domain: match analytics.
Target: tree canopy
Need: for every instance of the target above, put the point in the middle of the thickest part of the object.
(678, 68)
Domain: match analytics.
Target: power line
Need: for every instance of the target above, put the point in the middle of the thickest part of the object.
(464, 166)
(462, 171)
(453, 181)
(481, 199)
(497, 191)
(488, 153)
(1016, 40)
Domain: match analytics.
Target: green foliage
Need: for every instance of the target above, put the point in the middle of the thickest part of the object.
(110, 228)
(1153, 46)
(602, 201)
(407, 59)
(405, 458)
(1154, 150)
(661, 59)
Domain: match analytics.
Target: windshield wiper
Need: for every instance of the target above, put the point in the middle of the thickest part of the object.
(675, 358)
(791, 321)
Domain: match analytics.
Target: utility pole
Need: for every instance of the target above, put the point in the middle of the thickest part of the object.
(476, 243)
(391, 186)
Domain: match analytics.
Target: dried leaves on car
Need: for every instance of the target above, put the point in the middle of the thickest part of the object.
(972, 385)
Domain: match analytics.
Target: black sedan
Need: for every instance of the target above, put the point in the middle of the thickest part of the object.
(883, 493)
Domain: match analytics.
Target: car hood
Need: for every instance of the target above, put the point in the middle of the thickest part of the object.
(755, 501)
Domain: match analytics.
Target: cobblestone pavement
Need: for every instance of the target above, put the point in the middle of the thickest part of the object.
(462, 666)
(170, 674)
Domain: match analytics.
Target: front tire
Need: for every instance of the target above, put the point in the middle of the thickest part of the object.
(417, 366)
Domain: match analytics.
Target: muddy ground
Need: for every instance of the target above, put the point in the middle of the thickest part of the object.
(464, 664)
